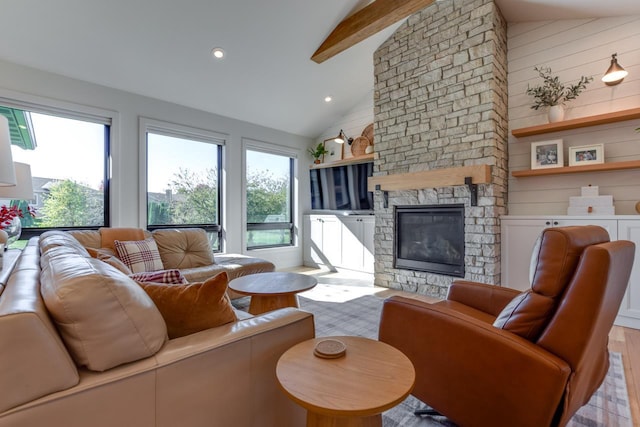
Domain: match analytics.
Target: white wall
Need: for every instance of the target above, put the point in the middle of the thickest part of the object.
(30, 85)
(573, 48)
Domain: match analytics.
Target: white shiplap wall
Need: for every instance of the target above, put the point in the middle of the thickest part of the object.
(573, 48)
(353, 123)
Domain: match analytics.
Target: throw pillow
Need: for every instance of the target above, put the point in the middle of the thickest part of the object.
(192, 307)
(169, 277)
(140, 256)
(103, 316)
(109, 235)
(107, 255)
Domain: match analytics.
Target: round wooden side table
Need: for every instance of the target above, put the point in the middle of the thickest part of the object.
(350, 391)
(272, 290)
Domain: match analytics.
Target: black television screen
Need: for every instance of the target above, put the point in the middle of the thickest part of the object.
(342, 188)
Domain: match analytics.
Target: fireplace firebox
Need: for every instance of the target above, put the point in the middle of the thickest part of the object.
(430, 238)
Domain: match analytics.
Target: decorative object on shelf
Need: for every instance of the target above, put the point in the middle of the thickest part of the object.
(359, 146)
(586, 155)
(552, 93)
(7, 171)
(342, 138)
(591, 202)
(547, 154)
(333, 150)
(369, 149)
(638, 207)
(368, 132)
(615, 73)
(318, 153)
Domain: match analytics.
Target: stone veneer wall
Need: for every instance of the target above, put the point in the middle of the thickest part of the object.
(440, 101)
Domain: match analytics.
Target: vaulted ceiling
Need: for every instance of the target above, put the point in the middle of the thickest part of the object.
(161, 49)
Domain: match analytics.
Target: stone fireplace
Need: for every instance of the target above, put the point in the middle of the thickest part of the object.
(440, 102)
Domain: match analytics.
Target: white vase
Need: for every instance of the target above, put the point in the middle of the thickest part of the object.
(556, 113)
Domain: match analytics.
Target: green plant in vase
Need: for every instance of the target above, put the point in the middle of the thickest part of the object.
(554, 94)
(318, 152)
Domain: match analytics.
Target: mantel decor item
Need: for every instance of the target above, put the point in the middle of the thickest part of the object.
(333, 150)
(318, 153)
(547, 154)
(554, 94)
(586, 155)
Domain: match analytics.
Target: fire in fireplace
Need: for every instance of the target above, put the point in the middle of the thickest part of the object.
(430, 238)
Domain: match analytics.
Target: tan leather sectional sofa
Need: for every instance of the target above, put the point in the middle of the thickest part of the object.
(111, 364)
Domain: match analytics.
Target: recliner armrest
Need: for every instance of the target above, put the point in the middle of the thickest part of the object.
(488, 298)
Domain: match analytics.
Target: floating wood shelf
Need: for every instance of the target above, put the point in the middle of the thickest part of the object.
(633, 164)
(600, 119)
(350, 161)
(479, 174)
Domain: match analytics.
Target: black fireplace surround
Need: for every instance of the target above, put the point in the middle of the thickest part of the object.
(429, 238)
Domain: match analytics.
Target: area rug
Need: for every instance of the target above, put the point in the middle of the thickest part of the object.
(360, 316)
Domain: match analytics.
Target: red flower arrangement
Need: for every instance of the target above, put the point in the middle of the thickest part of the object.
(7, 214)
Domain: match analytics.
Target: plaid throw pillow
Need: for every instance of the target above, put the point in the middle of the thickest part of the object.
(140, 256)
(169, 277)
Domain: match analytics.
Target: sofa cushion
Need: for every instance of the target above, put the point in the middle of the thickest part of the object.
(192, 307)
(169, 277)
(54, 238)
(139, 255)
(184, 247)
(103, 316)
(110, 235)
(107, 255)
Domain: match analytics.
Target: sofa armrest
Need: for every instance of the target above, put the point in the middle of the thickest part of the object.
(469, 370)
(490, 299)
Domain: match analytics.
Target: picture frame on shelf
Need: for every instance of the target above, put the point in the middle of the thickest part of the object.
(586, 155)
(334, 150)
(547, 154)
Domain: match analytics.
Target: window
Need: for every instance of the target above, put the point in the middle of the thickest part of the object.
(183, 180)
(269, 192)
(68, 159)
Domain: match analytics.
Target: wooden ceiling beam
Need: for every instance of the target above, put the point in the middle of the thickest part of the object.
(364, 23)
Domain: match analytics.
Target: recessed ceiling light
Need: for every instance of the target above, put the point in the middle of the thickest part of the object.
(327, 99)
(218, 52)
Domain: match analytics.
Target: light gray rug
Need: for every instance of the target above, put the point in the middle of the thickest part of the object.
(360, 316)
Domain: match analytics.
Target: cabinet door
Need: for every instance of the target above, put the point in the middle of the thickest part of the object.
(352, 244)
(331, 241)
(629, 314)
(517, 241)
(312, 240)
(368, 230)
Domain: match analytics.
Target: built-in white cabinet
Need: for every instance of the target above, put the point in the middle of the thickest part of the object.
(339, 241)
(519, 234)
(629, 314)
(357, 243)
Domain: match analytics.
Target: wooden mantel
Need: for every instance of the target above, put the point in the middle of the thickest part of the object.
(479, 174)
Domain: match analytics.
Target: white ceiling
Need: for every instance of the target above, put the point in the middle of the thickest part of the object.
(161, 49)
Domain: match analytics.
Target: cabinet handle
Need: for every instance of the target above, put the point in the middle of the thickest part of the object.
(547, 223)
(555, 222)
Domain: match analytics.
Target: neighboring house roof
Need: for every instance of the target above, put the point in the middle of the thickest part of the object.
(20, 128)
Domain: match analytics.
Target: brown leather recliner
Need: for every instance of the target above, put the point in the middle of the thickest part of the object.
(493, 356)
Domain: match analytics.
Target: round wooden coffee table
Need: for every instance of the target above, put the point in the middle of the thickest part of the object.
(272, 290)
(350, 391)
